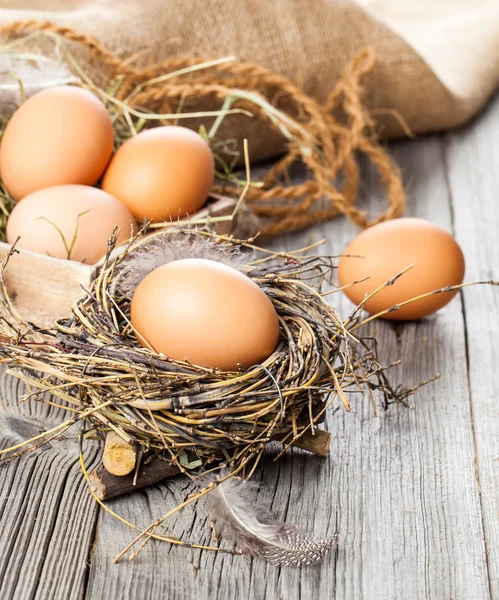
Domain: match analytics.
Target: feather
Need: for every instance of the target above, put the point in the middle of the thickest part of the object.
(35, 75)
(255, 531)
(18, 428)
(161, 250)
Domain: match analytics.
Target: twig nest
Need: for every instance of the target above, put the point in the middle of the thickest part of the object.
(160, 401)
(192, 414)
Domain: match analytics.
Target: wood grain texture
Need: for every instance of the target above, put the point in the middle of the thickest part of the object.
(471, 157)
(107, 486)
(119, 456)
(47, 517)
(413, 494)
(44, 288)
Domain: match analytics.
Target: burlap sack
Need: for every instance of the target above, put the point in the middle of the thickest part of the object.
(436, 67)
(438, 62)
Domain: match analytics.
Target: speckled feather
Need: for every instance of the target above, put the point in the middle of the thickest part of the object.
(255, 531)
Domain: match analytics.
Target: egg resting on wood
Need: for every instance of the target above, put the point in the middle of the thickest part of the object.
(382, 251)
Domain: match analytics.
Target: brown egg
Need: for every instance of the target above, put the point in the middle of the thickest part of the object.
(69, 221)
(61, 135)
(162, 173)
(385, 250)
(206, 313)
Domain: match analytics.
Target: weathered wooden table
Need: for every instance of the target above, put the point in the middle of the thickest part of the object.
(414, 495)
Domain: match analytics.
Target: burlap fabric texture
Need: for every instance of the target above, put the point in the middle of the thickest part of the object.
(437, 62)
(310, 44)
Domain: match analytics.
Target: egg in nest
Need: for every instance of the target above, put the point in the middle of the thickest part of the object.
(206, 313)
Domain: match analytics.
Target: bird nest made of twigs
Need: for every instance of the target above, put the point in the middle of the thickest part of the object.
(199, 418)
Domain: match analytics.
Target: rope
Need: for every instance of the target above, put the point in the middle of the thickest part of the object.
(340, 129)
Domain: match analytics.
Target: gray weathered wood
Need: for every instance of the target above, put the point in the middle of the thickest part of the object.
(47, 518)
(472, 161)
(413, 494)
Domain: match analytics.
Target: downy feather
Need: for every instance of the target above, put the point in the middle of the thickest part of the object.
(35, 76)
(161, 250)
(16, 428)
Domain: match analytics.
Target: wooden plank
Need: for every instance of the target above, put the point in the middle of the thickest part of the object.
(47, 517)
(400, 488)
(44, 288)
(474, 182)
